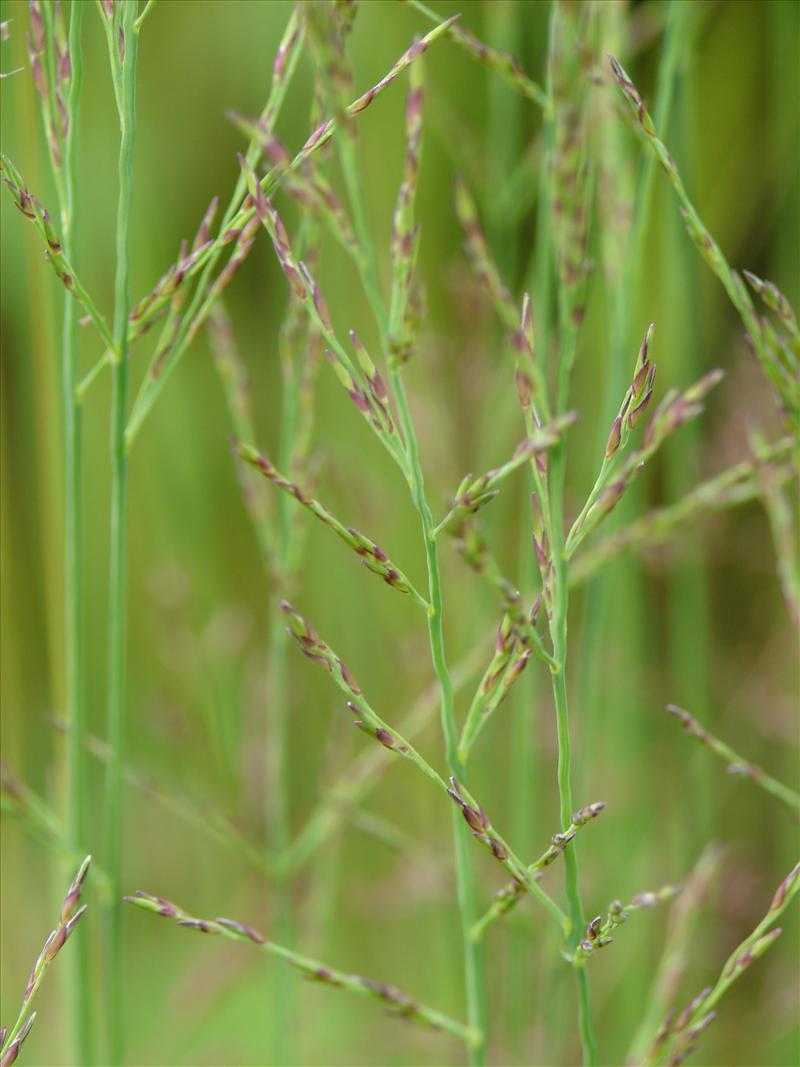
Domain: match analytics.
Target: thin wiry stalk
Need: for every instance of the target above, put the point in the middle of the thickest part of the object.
(74, 643)
(395, 1000)
(689, 621)
(500, 63)
(57, 66)
(123, 47)
(473, 954)
(362, 772)
(566, 229)
(528, 763)
(736, 764)
(299, 351)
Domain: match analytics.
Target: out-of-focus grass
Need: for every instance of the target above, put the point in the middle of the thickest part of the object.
(197, 624)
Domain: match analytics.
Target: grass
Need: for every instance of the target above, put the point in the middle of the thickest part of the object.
(122, 34)
(72, 911)
(332, 281)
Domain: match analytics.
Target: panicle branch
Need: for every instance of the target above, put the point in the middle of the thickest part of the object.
(32, 209)
(505, 65)
(480, 825)
(510, 895)
(367, 720)
(71, 913)
(737, 485)
(786, 386)
(680, 1031)
(371, 554)
(674, 410)
(364, 385)
(517, 638)
(598, 932)
(474, 492)
(395, 1001)
(405, 232)
(736, 764)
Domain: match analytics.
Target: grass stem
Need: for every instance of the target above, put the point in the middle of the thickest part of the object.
(74, 583)
(125, 42)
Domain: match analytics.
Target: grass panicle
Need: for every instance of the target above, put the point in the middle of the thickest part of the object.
(510, 895)
(736, 764)
(681, 1031)
(734, 487)
(786, 387)
(562, 267)
(72, 911)
(371, 554)
(394, 1000)
(598, 932)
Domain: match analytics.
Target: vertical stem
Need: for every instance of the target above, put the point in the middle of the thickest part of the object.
(688, 618)
(284, 1006)
(473, 951)
(558, 631)
(559, 636)
(128, 44)
(74, 646)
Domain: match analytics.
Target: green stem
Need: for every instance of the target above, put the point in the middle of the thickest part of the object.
(558, 633)
(74, 647)
(284, 994)
(473, 951)
(119, 477)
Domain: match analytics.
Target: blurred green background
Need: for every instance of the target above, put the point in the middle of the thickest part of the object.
(700, 622)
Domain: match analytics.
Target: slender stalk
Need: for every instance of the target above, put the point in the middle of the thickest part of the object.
(127, 43)
(473, 952)
(689, 624)
(736, 763)
(285, 996)
(568, 339)
(528, 763)
(558, 633)
(74, 585)
(391, 997)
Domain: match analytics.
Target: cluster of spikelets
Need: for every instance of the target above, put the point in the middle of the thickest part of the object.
(187, 297)
(72, 911)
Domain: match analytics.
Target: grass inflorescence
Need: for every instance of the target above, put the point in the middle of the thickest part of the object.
(548, 389)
